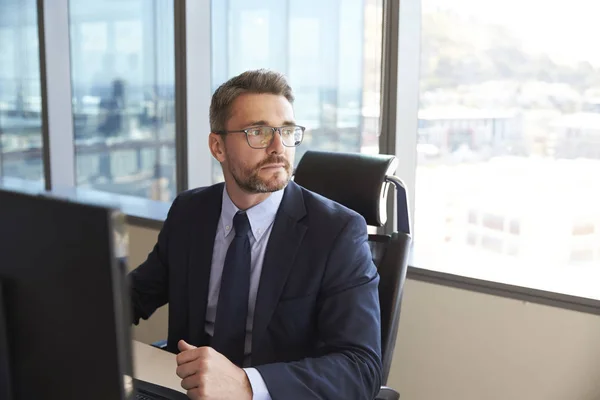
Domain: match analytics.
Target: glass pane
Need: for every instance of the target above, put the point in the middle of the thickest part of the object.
(509, 143)
(329, 49)
(123, 71)
(20, 98)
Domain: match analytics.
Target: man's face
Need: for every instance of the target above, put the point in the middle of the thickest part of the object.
(258, 170)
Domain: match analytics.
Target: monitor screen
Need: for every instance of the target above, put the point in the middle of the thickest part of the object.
(64, 303)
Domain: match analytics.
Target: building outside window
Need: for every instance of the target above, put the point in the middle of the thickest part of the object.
(509, 134)
(123, 78)
(20, 97)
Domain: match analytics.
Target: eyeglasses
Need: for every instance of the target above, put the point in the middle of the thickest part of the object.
(261, 137)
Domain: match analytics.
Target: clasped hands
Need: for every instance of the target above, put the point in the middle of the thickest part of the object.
(208, 375)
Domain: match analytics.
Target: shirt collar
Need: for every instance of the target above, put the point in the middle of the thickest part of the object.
(261, 216)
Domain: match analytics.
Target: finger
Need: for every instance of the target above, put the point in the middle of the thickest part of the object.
(187, 356)
(196, 353)
(191, 382)
(194, 394)
(187, 369)
(182, 345)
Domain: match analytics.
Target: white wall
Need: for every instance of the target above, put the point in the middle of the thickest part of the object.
(456, 344)
(459, 345)
(141, 241)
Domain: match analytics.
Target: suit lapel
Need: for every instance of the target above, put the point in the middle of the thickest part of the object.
(284, 241)
(203, 230)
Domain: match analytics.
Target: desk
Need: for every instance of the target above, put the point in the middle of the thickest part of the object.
(155, 366)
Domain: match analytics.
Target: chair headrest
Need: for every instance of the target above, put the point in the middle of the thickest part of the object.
(354, 180)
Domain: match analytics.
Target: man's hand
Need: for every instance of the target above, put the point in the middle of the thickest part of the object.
(206, 374)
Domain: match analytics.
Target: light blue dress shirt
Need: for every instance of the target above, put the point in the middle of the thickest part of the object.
(261, 219)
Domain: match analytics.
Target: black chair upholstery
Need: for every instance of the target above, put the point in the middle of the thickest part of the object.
(354, 180)
(361, 182)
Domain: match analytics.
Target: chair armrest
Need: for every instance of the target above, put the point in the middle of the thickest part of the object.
(386, 393)
(161, 344)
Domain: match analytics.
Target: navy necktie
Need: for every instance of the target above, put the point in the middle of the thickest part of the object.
(232, 307)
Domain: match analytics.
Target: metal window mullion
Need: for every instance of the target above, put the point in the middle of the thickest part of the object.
(192, 92)
(400, 94)
(57, 111)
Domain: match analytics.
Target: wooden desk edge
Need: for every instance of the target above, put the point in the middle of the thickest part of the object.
(155, 366)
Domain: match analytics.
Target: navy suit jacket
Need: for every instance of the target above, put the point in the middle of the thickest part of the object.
(316, 330)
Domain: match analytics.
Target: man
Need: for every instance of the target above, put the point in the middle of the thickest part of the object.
(271, 289)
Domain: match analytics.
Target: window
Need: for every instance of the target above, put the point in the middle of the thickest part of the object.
(329, 49)
(20, 98)
(583, 229)
(493, 222)
(515, 227)
(520, 151)
(123, 74)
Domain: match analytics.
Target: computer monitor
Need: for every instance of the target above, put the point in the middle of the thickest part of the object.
(64, 304)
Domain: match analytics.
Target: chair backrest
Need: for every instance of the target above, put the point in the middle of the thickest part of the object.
(361, 183)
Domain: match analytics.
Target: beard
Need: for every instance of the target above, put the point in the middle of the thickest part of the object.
(250, 181)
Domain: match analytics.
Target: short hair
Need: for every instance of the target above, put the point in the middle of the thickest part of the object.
(255, 81)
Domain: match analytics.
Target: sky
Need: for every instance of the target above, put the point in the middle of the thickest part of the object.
(568, 31)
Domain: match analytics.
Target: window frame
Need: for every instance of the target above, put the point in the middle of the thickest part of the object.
(399, 111)
(400, 106)
(57, 115)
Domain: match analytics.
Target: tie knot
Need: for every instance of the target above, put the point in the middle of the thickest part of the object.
(241, 224)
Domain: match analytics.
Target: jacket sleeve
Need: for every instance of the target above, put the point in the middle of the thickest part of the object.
(348, 365)
(149, 282)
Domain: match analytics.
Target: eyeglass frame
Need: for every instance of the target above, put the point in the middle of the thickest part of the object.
(274, 129)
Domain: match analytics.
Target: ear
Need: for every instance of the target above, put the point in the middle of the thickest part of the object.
(216, 144)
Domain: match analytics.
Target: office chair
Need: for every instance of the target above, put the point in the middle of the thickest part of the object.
(361, 183)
